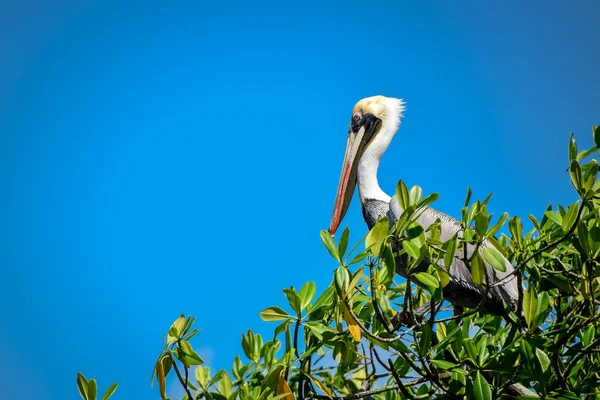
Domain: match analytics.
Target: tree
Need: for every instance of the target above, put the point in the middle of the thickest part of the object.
(360, 338)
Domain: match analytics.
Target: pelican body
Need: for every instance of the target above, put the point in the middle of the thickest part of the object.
(375, 120)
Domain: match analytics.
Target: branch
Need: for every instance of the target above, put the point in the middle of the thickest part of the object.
(355, 396)
(184, 384)
(519, 390)
(388, 388)
(401, 386)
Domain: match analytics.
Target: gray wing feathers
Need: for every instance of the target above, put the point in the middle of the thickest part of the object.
(459, 270)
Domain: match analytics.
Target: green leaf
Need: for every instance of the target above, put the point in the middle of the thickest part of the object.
(575, 173)
(411, 249)
(482, 221)
(82, 386)
(110, 391)
(427, 279)
(342, 280)
(248, 345)
(572, 148)
(307, 293)
(469, 236)
(384, 301)
(527, 350)
(450, 246)
(376, 237)
(543, 359)
(583, 154)
(596, 135)
(573, 372)
(415, 195)
(281, 328)
(176, 329)
(180, 354)
(483, 351)
(160, 377)
(535, 222)
(167, 363)
(216, 377)
(487, 199)
(402, 195)
(390, 264)
(470, 349)
(359, 257)
(429, 199)
(355, 279)
(186, 347)
(343, 245)
(92, 389)
(225, 386)
(440, 331)
(590, 174)
(554, 217)
(468, 197)
(515, 227)
(530, 306)
(477, 269)
(473, 210)
(318, 329)
(188, 325)
(425, 341)
(273, 314)
(293, 299)
(416, 234)
(584, 237)
(329, 244)
(458, 382)
(324, 300)
(202, 375)
(191, 357)
(450, 336)
(494, 258)
(569, 217)
(588, 336)
(481, 388)
(496, 227)
(497, 245)
(441, 364)
(542, 308)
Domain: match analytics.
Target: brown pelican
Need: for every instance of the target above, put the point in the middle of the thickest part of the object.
(374, 123)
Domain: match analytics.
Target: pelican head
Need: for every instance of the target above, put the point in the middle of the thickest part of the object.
(373, 123)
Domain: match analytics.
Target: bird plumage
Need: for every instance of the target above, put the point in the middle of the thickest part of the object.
(367, 141)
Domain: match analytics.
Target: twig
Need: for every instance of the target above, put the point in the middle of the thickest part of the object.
(359, 395)
(388, 388)
(184, 384)
(403, 389)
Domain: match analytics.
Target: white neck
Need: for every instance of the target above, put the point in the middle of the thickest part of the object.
(368, 187)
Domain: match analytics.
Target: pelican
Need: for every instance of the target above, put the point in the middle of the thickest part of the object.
(374, 122)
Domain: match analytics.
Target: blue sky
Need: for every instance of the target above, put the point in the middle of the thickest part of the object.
(162, 159)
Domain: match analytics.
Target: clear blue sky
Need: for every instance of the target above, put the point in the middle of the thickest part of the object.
(162, 159)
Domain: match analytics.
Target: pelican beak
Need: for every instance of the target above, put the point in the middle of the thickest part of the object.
(362, 130)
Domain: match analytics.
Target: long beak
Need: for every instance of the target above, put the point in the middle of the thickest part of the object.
(347, 183)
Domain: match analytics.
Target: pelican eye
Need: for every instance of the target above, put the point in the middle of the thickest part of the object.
(357, 121)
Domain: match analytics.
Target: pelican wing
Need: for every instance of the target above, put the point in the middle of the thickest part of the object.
(459, 272)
